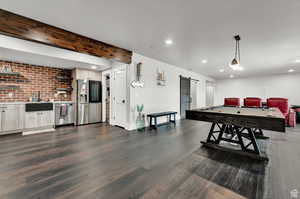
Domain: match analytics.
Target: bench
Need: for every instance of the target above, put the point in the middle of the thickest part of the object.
(153, 119)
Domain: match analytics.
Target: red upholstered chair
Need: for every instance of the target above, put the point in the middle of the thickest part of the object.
(282, 104)
(252, 102)
(292, 118)
(232, 102)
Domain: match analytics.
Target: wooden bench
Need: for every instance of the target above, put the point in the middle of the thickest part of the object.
(153, 119)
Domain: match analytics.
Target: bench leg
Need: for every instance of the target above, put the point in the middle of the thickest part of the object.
(150, 124)
(174, 115)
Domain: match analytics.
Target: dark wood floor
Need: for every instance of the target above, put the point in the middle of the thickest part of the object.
(100, 161)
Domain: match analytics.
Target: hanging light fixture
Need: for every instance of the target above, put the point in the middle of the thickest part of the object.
(236, 62)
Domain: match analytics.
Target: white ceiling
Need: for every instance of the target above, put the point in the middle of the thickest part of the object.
(200, 29)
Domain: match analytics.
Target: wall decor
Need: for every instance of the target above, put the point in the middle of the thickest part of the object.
(137, 82)
(161, 78)
(6, 69)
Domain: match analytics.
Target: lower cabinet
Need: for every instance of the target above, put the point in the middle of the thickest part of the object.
(11, 118)
(31, 120)
(9, 121)
(0, 121)
(46, 118)
(39, 119)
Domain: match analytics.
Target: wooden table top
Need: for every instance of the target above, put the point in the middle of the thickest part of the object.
(255, 112)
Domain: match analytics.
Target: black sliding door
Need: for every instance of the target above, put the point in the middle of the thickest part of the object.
(185, 95)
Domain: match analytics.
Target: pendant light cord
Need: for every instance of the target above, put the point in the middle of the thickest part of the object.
(236, 46)
(239, 52)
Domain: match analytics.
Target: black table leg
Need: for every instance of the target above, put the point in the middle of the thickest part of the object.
(246, 140)
(258, 133)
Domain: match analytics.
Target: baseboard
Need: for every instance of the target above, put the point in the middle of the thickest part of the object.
(38, 131)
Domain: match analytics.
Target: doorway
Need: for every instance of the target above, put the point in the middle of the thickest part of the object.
(210, 93)
(118, 93)
(107, 98)
(185, 95)
(194, 94)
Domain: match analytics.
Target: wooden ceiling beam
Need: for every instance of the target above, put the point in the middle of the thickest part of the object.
(28, 29)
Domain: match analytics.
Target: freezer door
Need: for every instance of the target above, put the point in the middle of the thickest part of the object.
(83, 113)
(95, 112)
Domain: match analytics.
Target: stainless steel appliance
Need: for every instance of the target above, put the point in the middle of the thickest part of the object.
(64, 113)
(89, 102)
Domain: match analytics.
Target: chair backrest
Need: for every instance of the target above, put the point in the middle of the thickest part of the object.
(281, 103)
(252, 102)
(232, 101)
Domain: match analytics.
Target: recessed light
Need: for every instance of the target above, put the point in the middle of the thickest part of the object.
(204, 61)
(297, 61)
(291, 70)
(94, 67)
(169, 42)
(231, 76)
(221, 70)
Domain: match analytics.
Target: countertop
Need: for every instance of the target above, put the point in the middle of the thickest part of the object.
(55, 102)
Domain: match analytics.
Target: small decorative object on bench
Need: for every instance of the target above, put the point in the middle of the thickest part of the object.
(153, 119)
(140, 120)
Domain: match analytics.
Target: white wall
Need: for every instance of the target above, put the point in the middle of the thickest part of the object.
(160, 98)
(287, 85)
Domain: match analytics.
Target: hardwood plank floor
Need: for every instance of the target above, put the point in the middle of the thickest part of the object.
(100, 161)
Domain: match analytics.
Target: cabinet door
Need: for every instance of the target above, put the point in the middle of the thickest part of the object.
(46, 118)
(1, 120)
(31, 120)
(96, 76)
(10, 119)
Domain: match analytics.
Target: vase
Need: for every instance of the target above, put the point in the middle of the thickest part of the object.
(140, 122)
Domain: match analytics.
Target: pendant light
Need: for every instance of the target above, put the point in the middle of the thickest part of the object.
(235, 63)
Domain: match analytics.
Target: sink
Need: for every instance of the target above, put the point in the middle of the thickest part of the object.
(32, 107)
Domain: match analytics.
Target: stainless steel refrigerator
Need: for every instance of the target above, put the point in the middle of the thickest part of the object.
(89, 102)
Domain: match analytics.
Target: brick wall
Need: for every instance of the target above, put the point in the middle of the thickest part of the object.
(33, 79)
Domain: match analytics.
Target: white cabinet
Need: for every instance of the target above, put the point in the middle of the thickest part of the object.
(31, 120)
(47, 118)
(39, 119)
(11, 118)
(88, 75)
(0, 121)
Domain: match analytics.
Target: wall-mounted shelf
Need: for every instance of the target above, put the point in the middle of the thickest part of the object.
(10, 73)
(64, 89)
(63, 78)
(15, 80)
(9, 87)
